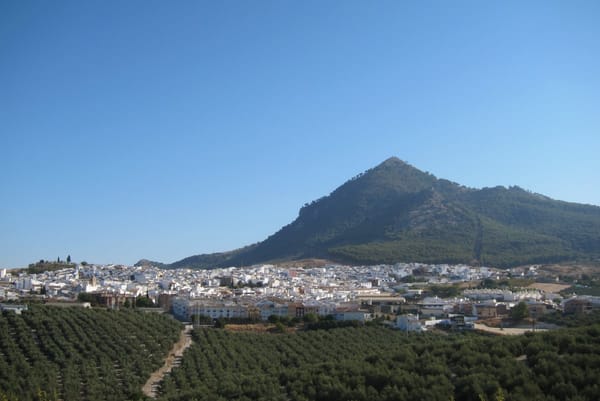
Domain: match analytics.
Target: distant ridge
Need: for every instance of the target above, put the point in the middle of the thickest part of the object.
(397, 213)
(146, 262)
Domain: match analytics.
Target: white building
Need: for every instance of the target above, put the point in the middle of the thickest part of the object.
(23, 283)
(219, 310)
(409, 322)
(361, 316)
(432, 306)
(186, 308)
(270, 308)
(14, 308)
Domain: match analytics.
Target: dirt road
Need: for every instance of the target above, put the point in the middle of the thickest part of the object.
(185, 340)
(508, 331)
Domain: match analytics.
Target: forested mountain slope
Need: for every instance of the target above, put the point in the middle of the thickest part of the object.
(397, 213)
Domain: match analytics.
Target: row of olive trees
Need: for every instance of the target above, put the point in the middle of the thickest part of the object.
(81, 354)
(371, 363)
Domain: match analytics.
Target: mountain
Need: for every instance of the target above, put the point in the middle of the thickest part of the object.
(146, 262)
(397, 213)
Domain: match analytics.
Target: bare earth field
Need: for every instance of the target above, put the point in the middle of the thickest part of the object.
(573, 270)
(308, 263)
(254, 328)
(549, 287)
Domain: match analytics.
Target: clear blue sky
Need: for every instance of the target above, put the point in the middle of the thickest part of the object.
(165, 129)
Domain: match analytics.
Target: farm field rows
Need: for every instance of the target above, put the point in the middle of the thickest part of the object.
(81, 354)
(373, 363)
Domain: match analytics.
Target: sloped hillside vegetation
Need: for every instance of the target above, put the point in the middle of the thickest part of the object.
(397, 213)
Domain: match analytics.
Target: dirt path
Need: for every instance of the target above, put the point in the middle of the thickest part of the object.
(185, 340)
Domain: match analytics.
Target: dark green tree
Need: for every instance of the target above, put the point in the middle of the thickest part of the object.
(144, 302)
(310, 318)
(279, 328)
(519, 311)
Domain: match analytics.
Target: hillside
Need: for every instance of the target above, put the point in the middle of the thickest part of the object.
(397, 213)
